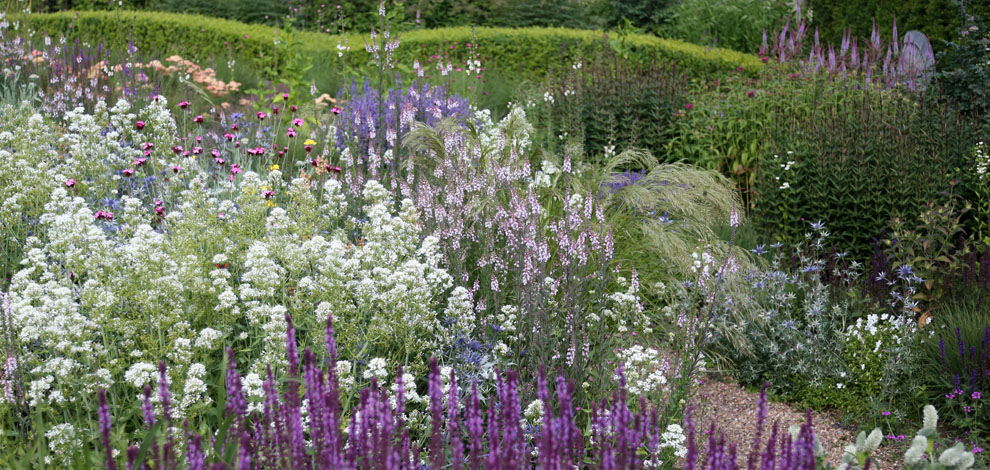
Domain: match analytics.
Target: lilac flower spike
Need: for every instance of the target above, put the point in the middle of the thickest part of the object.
(104, 416)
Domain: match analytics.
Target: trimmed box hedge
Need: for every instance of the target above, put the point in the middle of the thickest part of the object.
(528, 52)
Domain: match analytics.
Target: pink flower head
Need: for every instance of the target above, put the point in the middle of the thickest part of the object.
(215, 153)
(70, 183)
(336, 169)
(197, 150)
(175, 168)
(764, 59)
(308, 148)
(220, 161)
(148, 146)
(177, 149)
(335, 110)
(689, 106)
(199, 139)
(228, 136)
(128, 172)
(235, 169)
(885, 413)
(139, 125)
(268, 194)
(293, 108)
(285, 97)
(236, 127)
(281, 153)
(198, 119)
(105, 215)
(751, 93)
(297, 122)
(314, 162)
(739, 69)
(290, 132)
(160, 211)
(147, 153)
(975, 395)
(261, 115)
(275, 110)
(140, 161)
(183, 104)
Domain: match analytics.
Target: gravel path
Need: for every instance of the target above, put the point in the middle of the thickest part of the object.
(733, 410)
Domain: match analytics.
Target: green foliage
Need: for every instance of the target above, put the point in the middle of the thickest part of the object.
(934, 247)
(856, 160)
(525, 53)
(939, 19)
(614, 105)
(733, 24)
(963, 72)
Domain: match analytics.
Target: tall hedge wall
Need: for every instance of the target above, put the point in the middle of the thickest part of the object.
(525, 51)
(939, 19)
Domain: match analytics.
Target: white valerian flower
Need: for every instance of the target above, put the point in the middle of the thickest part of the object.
(534, 412)
(376, 368)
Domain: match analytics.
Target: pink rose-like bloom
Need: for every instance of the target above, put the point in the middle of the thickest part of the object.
(297, 122)
(229, 136)
(183, 104)
(70, 183)
(285, 97)
(140, 161)
(290, 132)
(268, 194)
(128, 172)
(215, 153)
(308, 148)
(148, 146)
(197, 150)
(139, 125)
(220, 161)
(261, 115)
(198, 119)
(235, 169)
(335, 110)
(147, 153)
(177, 149)
(199, 139)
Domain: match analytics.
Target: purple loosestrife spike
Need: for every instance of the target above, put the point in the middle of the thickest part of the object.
(941, 349)
(105, 423)
(147, 408)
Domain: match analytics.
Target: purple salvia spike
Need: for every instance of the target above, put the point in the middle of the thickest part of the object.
(313, 378)
(194, 453)
(769, 458)
(453, 430)
(941, 349)
(236, 402)
(105, 423)
(761, 415)
(132, 453)
(475, 428)
(436, 414)
(896, 40)
(692, 444)
(292, 407)
(163, 390)
(493, 436)
(274, 425)
(962, 346)
(244, 451)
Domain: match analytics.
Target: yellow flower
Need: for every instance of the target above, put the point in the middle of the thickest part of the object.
(274, 167)
(309, 142)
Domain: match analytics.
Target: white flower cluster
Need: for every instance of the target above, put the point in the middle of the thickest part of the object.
(645, 369)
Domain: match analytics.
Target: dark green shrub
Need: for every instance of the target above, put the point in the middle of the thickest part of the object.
(939, 19)
(964, 68)
(859, 158)
(733, 24)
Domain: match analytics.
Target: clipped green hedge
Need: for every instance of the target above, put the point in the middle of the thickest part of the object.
(526, 51)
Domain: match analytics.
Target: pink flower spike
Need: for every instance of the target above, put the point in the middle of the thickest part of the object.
(70, 183)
